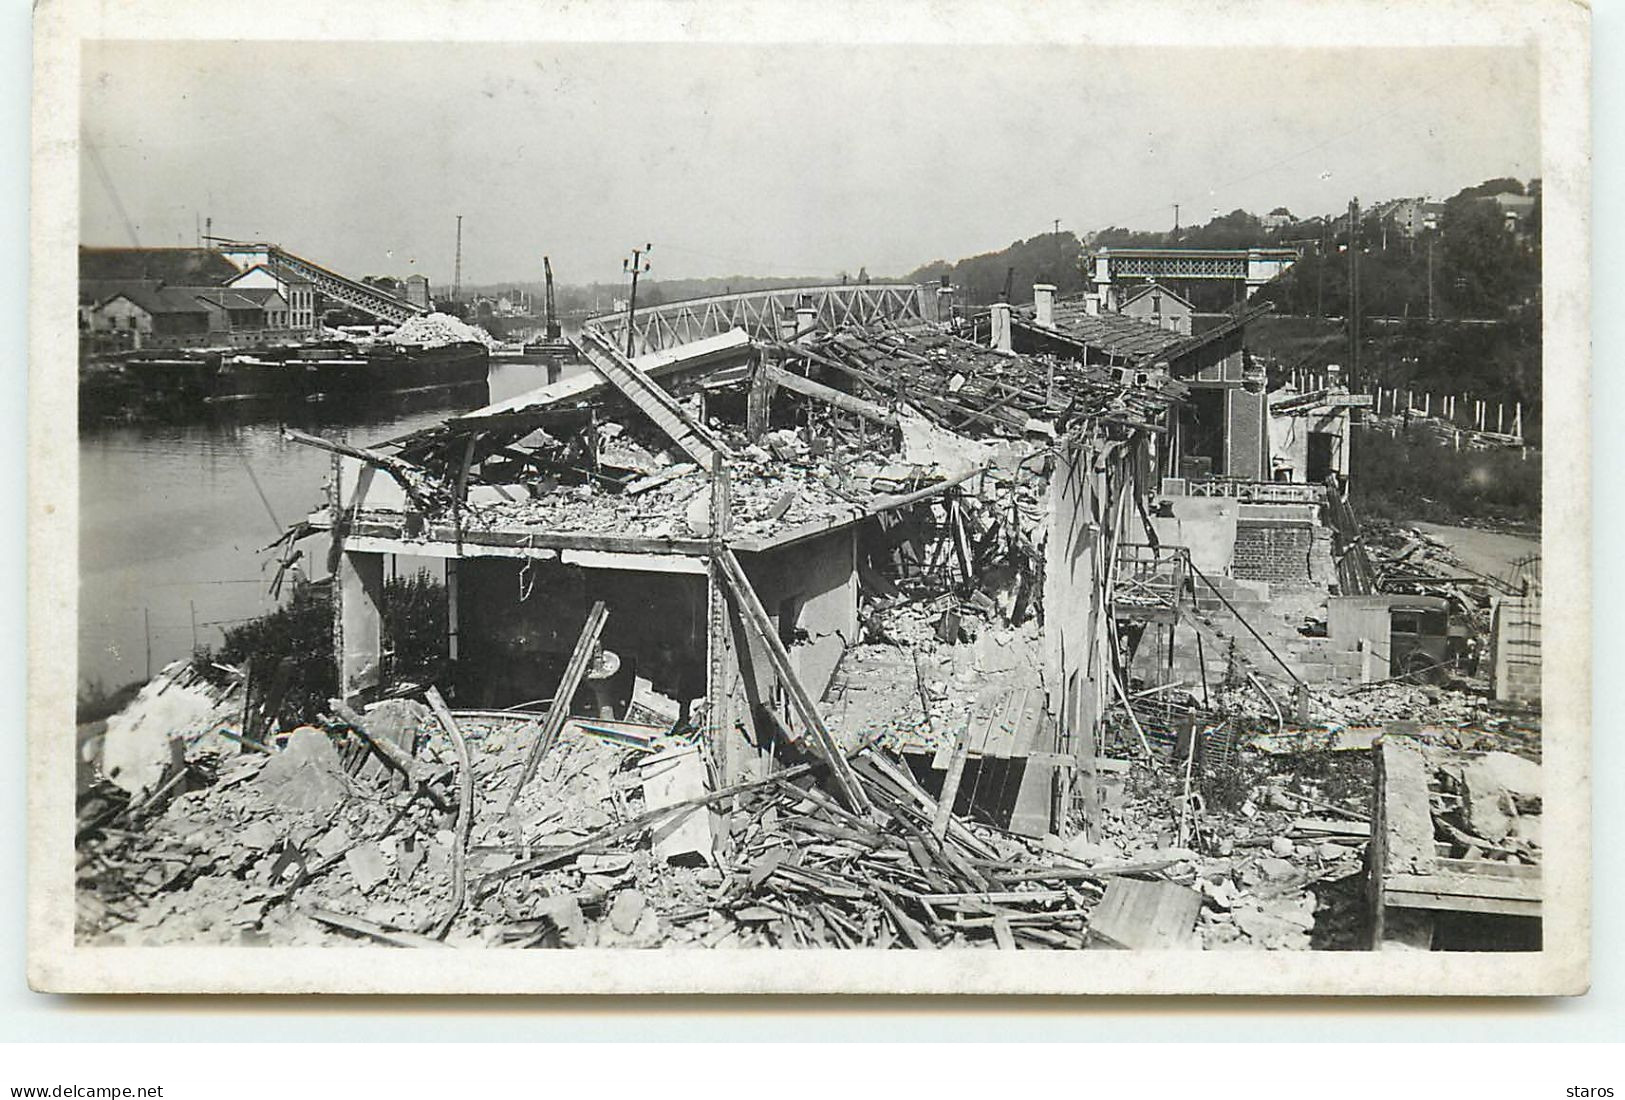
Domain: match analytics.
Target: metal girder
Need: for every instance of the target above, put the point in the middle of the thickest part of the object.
(367, 299)
(759, 313)
(659, 406)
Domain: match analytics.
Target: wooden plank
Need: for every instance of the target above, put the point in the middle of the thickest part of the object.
(751, 610)
(1001, 742)
(1446, 884)
(1034, 814)
(950, 784)
(559, 710)
(1453, 903)
(989, 705)
(1136, 915)
(1012, 897)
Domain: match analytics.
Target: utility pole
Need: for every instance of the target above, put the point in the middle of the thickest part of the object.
(633, 265)
(1430, 278)
(1354, 291)
(1057, 227)
(457, 264)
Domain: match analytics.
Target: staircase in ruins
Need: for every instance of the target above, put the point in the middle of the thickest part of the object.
(1209, 638)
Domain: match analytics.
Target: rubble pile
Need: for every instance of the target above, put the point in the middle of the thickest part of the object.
(350, 830)
(433, 330)
(1486, 807)
(318, 842)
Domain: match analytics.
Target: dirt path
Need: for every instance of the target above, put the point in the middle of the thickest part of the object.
(1485, 552)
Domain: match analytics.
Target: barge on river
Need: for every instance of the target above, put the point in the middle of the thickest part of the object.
(310, 372)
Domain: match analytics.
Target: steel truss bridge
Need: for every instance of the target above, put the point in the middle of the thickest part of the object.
(767, 315)
(331, 285)
(1107, 267)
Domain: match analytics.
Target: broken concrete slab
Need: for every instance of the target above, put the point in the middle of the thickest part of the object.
(626, 911)
(675, 776)
(366, 865)
(1494, 786)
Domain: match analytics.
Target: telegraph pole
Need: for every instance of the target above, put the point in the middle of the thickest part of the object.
(1354, 291)
(1057, 227)
(457, 267)
(635, 267)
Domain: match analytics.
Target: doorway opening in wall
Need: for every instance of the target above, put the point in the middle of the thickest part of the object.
(1321, 445)
(1201, 425)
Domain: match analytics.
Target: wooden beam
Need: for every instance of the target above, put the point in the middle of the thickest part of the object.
(522, 540)
(857, 406)
(751, 610)
(559, 710)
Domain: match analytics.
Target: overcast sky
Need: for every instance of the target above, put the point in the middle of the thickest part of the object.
(797, 160)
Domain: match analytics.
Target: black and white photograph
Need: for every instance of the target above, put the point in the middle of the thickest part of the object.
(628, 511)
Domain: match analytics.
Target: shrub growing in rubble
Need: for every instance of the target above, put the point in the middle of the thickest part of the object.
(301, 632)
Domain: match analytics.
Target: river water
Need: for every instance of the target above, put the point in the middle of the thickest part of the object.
(172, 516)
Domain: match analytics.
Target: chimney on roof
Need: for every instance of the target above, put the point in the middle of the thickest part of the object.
(806, 321)
(1001, 326)
(1091, 305)
(1044, 304)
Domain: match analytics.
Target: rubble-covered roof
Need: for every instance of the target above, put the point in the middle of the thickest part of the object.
(579, 458)
(965, 387)
(1130, 339)
(1113, 333)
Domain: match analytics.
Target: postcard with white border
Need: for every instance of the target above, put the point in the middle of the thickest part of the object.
(917, 498)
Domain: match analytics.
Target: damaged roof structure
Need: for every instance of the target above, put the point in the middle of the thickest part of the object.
(866, 636)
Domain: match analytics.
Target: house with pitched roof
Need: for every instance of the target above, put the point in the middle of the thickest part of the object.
(1157, 305)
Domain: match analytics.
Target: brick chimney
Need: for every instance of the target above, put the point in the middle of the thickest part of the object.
(1044, 304)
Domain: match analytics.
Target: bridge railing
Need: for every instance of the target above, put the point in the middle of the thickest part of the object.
(1255, 492)
(763, 314)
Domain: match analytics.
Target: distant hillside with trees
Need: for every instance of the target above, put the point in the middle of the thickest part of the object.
(1047, 258)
